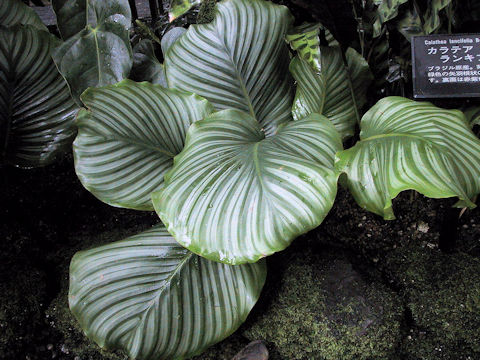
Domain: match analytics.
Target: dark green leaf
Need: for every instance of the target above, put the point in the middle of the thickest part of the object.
(432, 16)
(36, 111)
(387, 10)
(100, 54)
(71, 16)
(146, 66)
(410, 25)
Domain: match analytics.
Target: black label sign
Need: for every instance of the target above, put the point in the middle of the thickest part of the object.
(446, 66)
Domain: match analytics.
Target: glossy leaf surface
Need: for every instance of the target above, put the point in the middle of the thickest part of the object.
(238, 61)
(101, 53)
(71, 16)
(156, 300)
(128, 137)
(146, 66)
(36, 111)
(411, 145)
(15, 12)
(235, 196)
(336, 91)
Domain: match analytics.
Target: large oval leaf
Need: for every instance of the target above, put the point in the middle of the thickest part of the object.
(128, 137)
(235, 196)
(71, 16)
(336, 91)
(36, 111)
(100, 54)
(238, 61)
(154, 299)
(411, 145)
(14, 12)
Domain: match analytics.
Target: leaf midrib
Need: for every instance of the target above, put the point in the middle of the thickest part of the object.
(97, 52)
(256, 162)
(237, 75)
(159, 291)
(97, 47)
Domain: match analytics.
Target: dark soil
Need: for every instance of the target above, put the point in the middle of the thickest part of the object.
(47, 216)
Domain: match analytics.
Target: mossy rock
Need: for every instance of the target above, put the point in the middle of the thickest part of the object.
(442, 294)
(324, 309)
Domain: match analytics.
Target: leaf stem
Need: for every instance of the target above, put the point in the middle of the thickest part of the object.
(350, 83)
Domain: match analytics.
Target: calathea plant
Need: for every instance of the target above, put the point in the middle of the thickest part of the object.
(237, 165)
(36, 111)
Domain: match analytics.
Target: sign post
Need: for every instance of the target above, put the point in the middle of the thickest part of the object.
(446, 66)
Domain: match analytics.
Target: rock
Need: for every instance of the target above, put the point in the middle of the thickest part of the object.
(256, 350)
(442, 295)
(324, 309)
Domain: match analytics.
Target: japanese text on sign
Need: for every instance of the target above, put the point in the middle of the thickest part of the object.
(446, 59)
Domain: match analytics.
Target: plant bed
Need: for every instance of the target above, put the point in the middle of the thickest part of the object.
(208, 153)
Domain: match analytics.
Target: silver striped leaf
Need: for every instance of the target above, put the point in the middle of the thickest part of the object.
(156, 300)
(15, 12)
(238, 61)
(128, 137)
(411, 145)
(235, 196)
(336, 91)
(36, 111)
